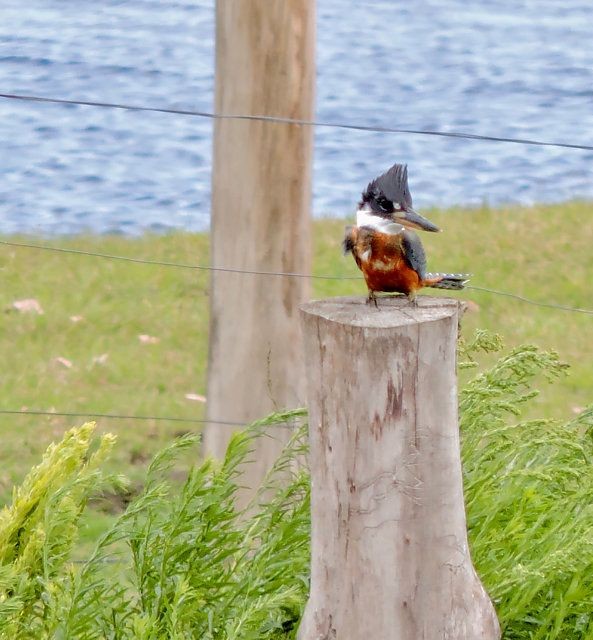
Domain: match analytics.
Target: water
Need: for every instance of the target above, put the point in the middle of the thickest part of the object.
(498, 67)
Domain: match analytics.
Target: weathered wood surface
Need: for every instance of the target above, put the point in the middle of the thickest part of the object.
(390, 558)
(261, 191)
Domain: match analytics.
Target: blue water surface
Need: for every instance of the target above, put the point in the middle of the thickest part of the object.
(495, 67)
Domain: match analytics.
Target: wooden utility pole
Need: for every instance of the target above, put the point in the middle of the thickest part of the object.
(390, 556)
(261, 191)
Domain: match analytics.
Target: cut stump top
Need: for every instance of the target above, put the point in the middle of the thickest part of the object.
(393, 311)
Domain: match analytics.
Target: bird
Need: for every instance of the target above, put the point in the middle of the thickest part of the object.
(383, 242)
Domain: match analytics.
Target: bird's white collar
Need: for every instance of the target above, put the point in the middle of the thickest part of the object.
(366, 218)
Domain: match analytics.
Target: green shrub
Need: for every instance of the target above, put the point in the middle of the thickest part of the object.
(529, 500)
(181, 562)
(184, 562)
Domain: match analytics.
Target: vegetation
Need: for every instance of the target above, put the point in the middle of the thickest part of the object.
(529, 485)
(183, 562)
(529, 497)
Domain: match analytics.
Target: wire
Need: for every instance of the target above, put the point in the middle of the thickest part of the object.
(308, 123)
(101, 560)
(179, 265)
(90, 414)
(549, 305)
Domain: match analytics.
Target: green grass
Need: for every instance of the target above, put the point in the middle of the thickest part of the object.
(118, 302)
(541, 252)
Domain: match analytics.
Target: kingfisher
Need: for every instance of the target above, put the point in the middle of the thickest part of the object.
(385, 247)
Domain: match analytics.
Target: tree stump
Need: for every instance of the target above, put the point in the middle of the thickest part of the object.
(390, 557)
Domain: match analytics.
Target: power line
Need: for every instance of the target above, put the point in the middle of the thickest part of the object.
(308, 123)
(91, 414)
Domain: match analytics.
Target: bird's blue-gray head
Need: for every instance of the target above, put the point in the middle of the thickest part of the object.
(388, 197)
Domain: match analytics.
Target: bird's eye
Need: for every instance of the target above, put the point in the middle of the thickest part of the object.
(384, 204)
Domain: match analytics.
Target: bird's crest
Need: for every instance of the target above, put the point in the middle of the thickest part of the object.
(393, 185)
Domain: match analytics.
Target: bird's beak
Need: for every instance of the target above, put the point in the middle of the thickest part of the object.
(409, 218)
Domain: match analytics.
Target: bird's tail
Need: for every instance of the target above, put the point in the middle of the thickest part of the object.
(446, 280)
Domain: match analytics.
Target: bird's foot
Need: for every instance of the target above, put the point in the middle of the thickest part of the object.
(372, 299)
(412, 299)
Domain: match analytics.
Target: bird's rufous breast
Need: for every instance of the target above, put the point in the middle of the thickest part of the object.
(384, 266)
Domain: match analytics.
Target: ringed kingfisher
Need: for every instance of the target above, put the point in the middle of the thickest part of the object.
(384, 245)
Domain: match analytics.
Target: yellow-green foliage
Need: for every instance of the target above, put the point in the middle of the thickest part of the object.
(40, 527)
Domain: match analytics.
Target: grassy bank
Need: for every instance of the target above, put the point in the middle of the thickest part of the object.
(95, 310)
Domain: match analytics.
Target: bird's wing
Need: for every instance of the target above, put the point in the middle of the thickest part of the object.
(349, 240)
(414, 252)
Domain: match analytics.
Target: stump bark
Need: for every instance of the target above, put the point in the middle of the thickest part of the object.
(390, 557)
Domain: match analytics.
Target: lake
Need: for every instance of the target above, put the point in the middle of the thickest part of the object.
(493, 67)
